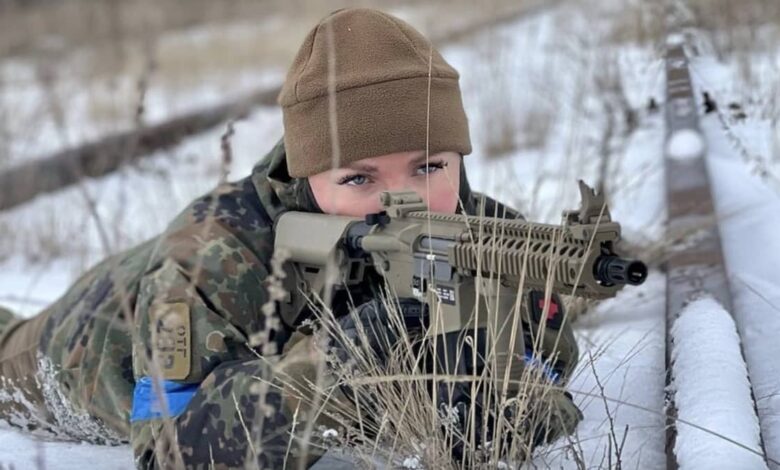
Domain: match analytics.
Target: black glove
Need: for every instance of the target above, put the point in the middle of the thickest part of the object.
(368, 331)
(370, 323)
(557, 416)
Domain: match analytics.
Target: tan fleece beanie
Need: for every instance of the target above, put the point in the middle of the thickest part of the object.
(381, 100)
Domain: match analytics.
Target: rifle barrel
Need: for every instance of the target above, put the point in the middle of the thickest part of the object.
(612, 270)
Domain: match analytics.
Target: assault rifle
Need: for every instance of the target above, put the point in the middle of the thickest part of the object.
(469, 271)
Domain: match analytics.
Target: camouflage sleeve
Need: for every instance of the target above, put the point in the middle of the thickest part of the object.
(208, 360)
(197, 308)
(245, 414)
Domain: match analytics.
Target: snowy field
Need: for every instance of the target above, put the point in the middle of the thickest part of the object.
(554, 74)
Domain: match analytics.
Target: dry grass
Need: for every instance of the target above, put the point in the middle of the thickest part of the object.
(32, 27)
(7, 241)
(738, 27)
(509, 130)
(258, 33)
(745, 37)
(638, 22)
(390, 414)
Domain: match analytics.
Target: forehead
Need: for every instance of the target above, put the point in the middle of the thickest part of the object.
(388, 162)
(390, 158)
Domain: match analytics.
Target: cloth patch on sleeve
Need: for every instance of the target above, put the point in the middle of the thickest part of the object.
(146, 404)
(171, 339)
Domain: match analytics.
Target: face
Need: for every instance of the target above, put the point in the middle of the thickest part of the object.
(354, 189)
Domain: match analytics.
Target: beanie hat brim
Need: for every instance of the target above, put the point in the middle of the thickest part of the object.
(376, 119)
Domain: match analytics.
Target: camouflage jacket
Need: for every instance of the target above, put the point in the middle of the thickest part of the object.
(192, 299)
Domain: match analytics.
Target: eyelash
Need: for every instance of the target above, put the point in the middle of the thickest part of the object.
(349, 178)
(431, 166)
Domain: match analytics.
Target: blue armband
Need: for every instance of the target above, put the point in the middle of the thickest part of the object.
(532, 360)
(146, 403)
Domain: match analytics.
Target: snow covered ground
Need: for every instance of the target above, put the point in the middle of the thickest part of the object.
(54, 109)
(545, 72)
(54, 237)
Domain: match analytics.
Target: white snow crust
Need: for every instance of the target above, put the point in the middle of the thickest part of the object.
(716, 419)
(675, 39)
(685, 144)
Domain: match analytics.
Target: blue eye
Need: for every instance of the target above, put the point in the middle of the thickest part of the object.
(354, 180)
(431, 167)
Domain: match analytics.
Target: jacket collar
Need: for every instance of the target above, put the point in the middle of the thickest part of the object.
(278, 191)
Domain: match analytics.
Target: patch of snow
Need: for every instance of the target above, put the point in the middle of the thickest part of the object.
(675, 39)
(68, 108)
(22, 450)
(622, 347)
(683, 107)
(412, 463)
(685, 144)
(27, 288)
(636, 186)
(716, 419)
(678, 63)
(133, 205)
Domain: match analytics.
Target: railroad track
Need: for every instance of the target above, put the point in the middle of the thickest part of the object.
(695, 272)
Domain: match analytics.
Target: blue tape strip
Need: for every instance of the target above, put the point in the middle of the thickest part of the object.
(534, 361)
(147, 406)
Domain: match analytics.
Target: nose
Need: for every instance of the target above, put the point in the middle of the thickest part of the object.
(400, 183)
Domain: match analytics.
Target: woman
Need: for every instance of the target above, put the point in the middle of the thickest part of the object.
(187, 306)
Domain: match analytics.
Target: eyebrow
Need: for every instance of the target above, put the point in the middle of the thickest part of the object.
(362, 167)
(371, 169)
